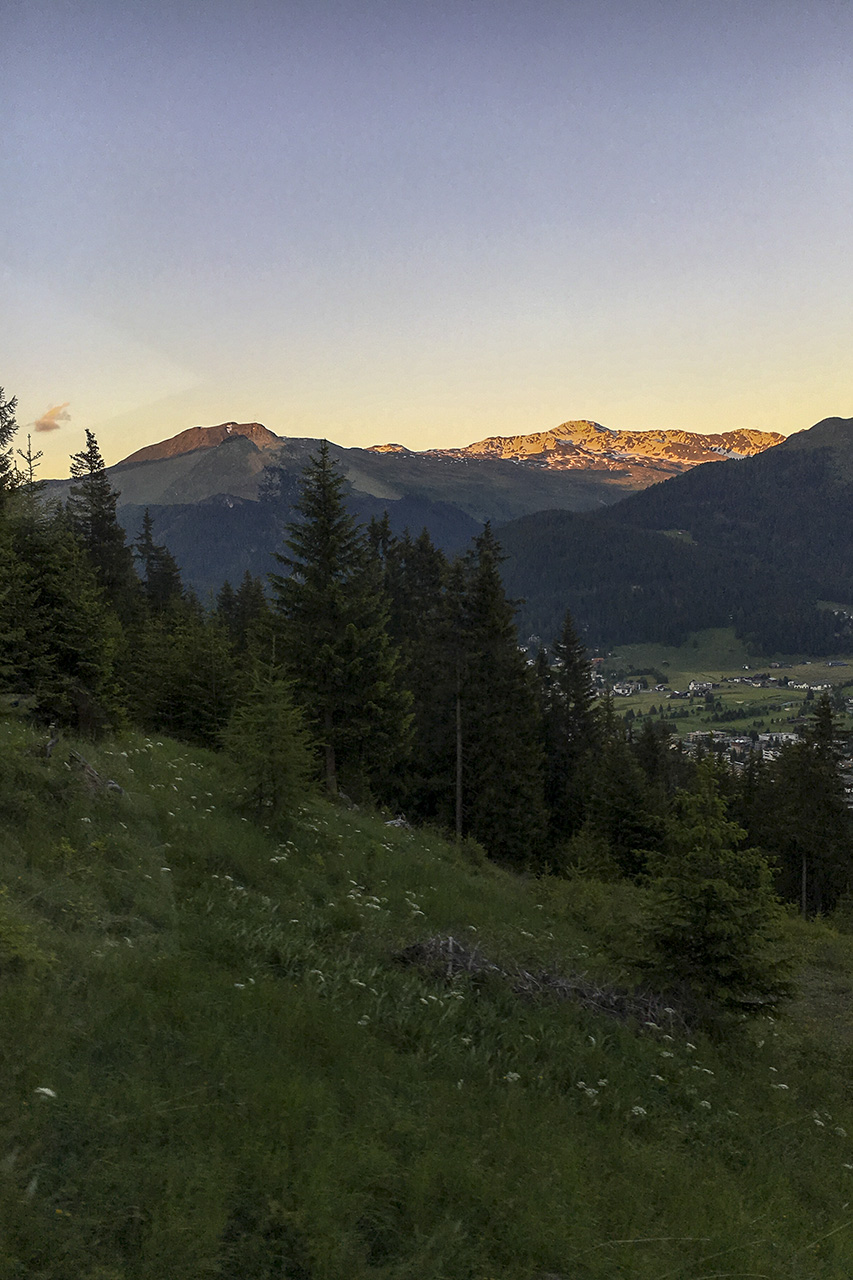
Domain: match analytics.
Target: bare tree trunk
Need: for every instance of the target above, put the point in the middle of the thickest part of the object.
(458, 762)
(331, 770)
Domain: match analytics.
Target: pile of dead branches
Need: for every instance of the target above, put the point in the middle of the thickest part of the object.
(446, 958)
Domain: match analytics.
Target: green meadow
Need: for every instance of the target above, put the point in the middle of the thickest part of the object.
(224, 1055)
(717, 655)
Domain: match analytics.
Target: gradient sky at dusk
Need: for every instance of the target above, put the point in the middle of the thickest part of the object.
(424, 222)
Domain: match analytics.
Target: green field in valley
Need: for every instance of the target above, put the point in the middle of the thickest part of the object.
(717, 656)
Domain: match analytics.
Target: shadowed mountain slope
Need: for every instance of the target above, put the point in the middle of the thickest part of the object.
(756, 544)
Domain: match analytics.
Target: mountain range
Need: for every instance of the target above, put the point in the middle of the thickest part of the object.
(577, 466)
(645, 456)
(643, 535)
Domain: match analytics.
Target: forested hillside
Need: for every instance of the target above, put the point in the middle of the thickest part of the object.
(756, 544)
(326, 906)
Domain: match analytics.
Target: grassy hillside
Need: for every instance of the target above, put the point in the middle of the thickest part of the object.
(224, 1054)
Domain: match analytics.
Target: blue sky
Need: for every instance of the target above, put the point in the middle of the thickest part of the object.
(424, 222)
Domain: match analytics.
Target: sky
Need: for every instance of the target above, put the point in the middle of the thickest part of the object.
(424, 222)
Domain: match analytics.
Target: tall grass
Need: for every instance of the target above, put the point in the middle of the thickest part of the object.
(244, 1080)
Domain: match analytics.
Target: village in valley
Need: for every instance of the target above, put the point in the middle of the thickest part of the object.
(736, 713)
(712, 698)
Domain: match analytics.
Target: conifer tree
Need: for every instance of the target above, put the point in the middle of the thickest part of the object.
(267, 739)
(664, 762)
(92, 513)
(193, 679)
(571, 735)
(800, 816)
(247, 618)
(59, 638)
(251, 611)
(422, 624)
(498, 727)
(25, 476)
(620, 806)
(714, 922)
(226, 608)
(160, 575)
(8, 427)
(336, 646)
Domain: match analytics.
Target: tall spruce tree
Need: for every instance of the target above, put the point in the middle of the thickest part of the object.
(714, 922)
(427, 630)
(498, 732)
(271, 750)
(621, 808)
(92, 513)
(8, 427)
(571, 732)
(798, 813)
(58, 638)
(160, 575)
(335, 641)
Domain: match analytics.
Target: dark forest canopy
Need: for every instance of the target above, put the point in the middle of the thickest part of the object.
(399, 671)
(754, 544)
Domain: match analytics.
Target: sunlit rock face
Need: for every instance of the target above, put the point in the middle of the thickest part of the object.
(206, 438)
(584, 445)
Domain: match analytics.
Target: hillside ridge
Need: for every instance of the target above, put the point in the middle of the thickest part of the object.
(581, 444)
(203, 438)
(577, 444)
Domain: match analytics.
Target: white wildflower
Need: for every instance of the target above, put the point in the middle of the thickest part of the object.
(638, 1111)
(512, 1076)
(362, 1022)
(706, 1104)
